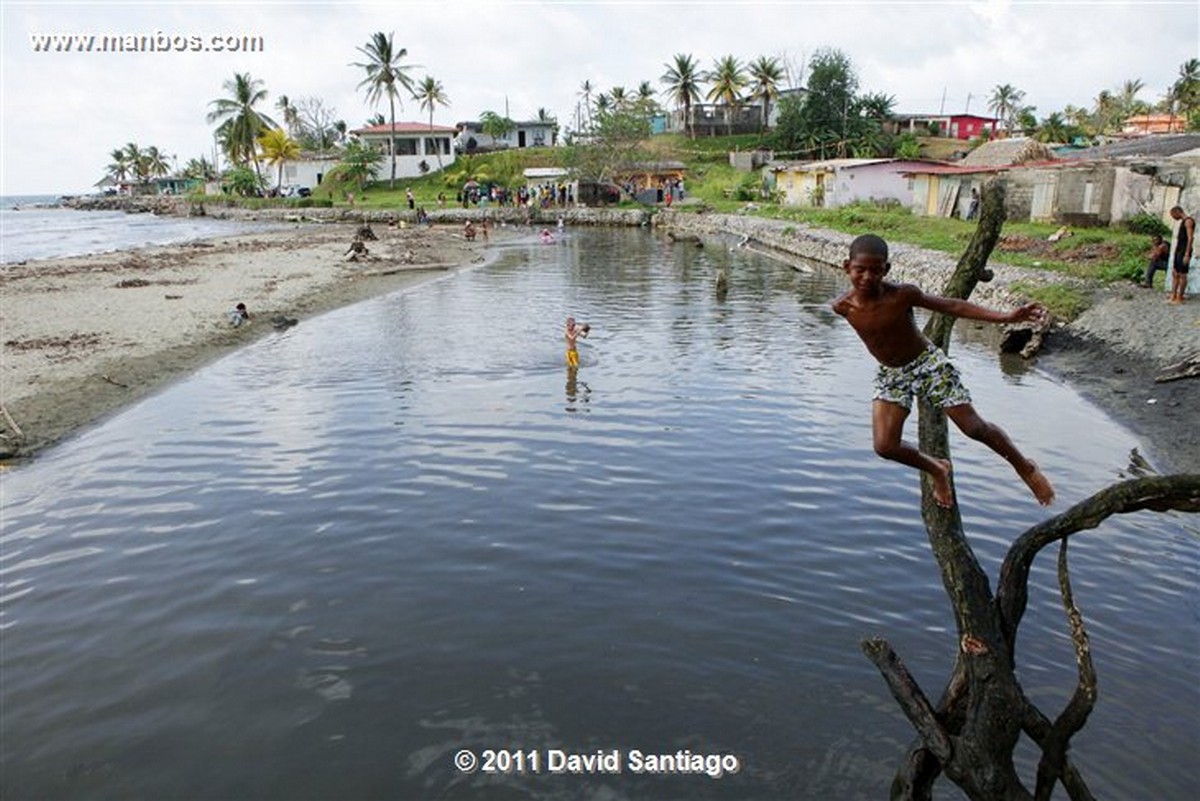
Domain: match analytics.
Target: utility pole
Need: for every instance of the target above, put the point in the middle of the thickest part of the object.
(942, 108)
(967, 110)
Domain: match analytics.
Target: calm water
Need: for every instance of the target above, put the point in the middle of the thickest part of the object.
(31, 227)
(323, 566)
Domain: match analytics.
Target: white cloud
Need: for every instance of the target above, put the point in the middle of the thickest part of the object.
(63, 112)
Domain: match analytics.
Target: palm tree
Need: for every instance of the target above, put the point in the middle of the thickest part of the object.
(135, 157)
(1004, 102)
(277, 147)
(241, 124)
(1053, 129)
(683, 85)
(585, 91)
(119, 168)
(728, 79)
(430, 93)
(765, 75)
(1185, 92)
(291, 117)
(156, 162)
(1106, 110)
(619, 98)
(384, 72)
(200, 169)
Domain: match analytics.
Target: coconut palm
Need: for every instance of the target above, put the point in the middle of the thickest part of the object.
(1004, 102)
(156, 162)
(728, 78)
(200, 169)
(1107, 108)
(120, 167)
(765, 75)
(1053, 129)
(619, 97)
(1185, 92)
(683, 85)
(277, 147)
(430, 93)
(385, 77)
(585, 91)
(291, 116)
(241, 123)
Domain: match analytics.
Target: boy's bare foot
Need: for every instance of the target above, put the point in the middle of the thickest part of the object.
(943, 493)
(1036, 480)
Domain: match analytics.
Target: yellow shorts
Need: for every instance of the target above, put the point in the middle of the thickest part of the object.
(572, 358)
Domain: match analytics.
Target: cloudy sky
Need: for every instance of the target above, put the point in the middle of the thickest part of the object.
(61, 113)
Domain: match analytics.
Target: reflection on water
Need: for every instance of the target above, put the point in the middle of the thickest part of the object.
(325, 565)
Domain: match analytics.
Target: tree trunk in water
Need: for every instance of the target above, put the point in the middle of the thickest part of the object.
(972, 732)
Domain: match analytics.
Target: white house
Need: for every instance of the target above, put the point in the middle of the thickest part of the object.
(307, 171)
(419, 147)
(535, 133)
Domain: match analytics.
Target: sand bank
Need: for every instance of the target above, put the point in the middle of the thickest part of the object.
(84, 336)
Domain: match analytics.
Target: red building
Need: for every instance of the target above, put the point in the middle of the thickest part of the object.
(953, 126)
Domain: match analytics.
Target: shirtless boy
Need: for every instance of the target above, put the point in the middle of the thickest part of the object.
(574, 331)
(881, 313)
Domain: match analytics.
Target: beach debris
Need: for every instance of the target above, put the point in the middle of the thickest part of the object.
(1062, 233)
(114, 383)
(1138, 466)
(12, 424)
(1188, 368)
(357, 248)
(365, 234)
(280, 323)
(130, 283)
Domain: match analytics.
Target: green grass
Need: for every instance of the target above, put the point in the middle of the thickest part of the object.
(1064, 303)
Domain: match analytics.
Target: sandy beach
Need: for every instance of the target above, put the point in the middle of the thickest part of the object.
(83, 337)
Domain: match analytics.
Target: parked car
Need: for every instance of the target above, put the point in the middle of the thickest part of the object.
(294, 190)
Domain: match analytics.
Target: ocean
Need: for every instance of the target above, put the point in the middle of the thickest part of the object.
(37, 227)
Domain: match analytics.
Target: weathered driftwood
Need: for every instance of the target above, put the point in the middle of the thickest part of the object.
(1188, 368)
(970, 734)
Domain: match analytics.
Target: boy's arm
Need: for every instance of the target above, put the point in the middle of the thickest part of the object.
(972, 311)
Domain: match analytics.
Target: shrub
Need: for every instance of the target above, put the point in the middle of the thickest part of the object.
(1147, 224)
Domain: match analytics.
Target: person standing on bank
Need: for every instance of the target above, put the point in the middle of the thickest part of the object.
(1185, 241)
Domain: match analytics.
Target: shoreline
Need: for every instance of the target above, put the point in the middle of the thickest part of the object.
(86, 336)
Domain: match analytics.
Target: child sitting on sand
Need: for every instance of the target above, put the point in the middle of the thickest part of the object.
(238, 315)
(881, 313)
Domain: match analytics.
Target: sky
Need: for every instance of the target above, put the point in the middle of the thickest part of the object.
(62, 113)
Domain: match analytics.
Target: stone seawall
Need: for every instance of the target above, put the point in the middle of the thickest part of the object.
(927, 269)
(222, 210)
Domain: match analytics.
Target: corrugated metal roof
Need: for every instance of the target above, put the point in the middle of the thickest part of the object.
(1152, 145)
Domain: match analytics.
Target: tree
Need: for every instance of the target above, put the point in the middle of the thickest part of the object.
(1004, 102)
(828, 106)
(120, 167)
(155, 162)
(728, 78)
(430, 93)
(1185, 92)
(316, 124)
(241, 124)
(971, 734)
(765, 75)
(291, 117)
(616, 140)
(1053, 129)
(619, 97)
(358, 163)
(495, 126)
(385, 76)
(683, 86)
(585, 91)
(200, 169)
(277, 148)
(1107, 109)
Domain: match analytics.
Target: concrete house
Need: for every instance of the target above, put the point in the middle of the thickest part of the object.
(470, 136)
(839, 182)
(418, 147)
(954, 126)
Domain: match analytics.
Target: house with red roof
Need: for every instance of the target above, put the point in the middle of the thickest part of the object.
(954, 126)
(418, 147)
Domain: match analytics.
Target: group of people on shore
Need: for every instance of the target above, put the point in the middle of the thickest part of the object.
(1175, 262)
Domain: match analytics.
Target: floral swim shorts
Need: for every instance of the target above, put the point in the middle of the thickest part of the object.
(930, 375)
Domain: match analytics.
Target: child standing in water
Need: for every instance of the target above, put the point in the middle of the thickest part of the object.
(574, 331)
(881, 313)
